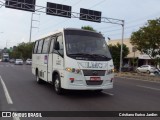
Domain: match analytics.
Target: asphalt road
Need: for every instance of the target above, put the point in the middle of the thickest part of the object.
(26, 95)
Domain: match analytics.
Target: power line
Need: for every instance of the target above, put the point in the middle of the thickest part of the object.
(63, 1)
(118, 33)
(77, 3)
(143, 18)
(62, 22)
(72, 5)
(51, 26)
(98, 3)
(90, 7)
(121, 29)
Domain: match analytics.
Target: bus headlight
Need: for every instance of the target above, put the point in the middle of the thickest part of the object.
(109, 71)
(73, 70)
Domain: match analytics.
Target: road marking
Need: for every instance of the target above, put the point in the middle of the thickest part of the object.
(148, 87)
(139, 80)
(9, 100)
(16, 118)
(107, 93)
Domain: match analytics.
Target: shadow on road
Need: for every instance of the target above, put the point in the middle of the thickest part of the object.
(76, 94)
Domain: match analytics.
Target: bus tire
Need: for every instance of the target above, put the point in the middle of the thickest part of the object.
(57, 85)
(98, 91)
(39, 80)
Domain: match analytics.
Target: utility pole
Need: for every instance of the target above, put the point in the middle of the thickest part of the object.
(121, 52)
(31, 27)
(6, 44)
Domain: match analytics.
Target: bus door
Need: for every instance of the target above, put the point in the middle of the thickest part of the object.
(50, 60)
(58, 61)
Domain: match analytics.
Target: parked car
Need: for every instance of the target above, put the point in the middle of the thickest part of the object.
(127, 68)
(157, 72)
(28, 61)
(18, 62)
(12, 60)
(146, 68)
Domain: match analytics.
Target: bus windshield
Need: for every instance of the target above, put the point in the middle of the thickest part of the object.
(6, 57)
(86, 44)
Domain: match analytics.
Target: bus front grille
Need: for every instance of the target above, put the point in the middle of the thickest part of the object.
(90, 82)
(94, 72)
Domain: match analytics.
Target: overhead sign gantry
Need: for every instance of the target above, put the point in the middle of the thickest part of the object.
(58, 10)
(26, 5)
(90, 15)
(65, 11)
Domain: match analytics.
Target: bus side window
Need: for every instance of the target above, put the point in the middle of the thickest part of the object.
(35, 47)
(39, 50)
(60, 40)
(46, 45)
(51, 45)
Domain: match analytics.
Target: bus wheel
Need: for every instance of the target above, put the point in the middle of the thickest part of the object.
(39, 80)
(57, 85)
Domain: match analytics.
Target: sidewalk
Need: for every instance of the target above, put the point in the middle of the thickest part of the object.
(141, 76)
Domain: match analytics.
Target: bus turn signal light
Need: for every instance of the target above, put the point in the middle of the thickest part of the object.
(71, 79)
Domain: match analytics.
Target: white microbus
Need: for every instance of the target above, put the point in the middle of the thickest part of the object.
(73, 59)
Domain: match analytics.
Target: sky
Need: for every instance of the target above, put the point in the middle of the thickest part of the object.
(15, 24)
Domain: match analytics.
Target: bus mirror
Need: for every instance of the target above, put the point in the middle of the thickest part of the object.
(56, 45)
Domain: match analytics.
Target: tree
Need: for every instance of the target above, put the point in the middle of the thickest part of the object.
(23, 50)
(115, 52)
(147, 39)
(88, 28)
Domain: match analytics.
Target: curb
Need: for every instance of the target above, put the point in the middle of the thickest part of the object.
(139, 77)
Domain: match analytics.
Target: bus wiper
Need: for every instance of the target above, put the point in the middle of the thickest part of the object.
(90, 55)
(100, 55)
(81, 54)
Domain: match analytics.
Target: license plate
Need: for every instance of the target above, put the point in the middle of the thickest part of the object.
(95, 78)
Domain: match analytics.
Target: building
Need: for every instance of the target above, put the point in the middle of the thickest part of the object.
(135, 57)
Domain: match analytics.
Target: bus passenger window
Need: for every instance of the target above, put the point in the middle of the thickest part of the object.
(40, 46)
(60, 40)
(35, 47)
(51, 46)
(46, 46)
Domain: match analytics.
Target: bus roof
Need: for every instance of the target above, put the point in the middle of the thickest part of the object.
(61, 30)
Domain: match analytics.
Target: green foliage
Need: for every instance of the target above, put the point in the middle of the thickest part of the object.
(147, 38)
(23, 51)
(115, 52)
(88, 28)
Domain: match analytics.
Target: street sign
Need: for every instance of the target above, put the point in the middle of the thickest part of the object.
(58, 10)
(26, 5)
(90, 15)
